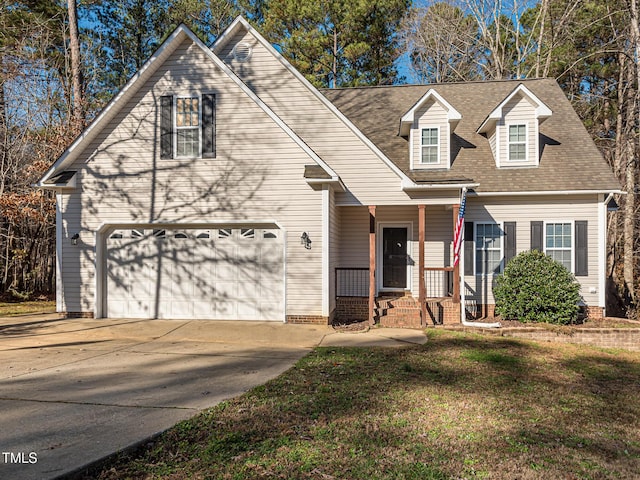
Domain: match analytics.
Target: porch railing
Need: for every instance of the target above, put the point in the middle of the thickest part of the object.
(352, 282)
(438, 281)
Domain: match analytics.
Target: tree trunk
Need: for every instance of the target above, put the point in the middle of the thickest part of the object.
(631, 150)
(76, 68)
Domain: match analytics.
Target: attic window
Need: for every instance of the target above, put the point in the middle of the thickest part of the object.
(430, 145)
(517, 142)
(242, 52)
(188, 127)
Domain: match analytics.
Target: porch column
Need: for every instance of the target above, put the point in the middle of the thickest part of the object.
(422, 290)
(456, 268)
(372, 263)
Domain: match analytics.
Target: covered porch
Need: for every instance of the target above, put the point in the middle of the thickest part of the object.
(394, 265)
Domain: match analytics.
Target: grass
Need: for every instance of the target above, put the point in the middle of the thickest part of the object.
(460, 407)
(11, 309)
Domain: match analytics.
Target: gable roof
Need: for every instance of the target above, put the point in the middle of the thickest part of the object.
(241, 23)
(179, 35)
(569, 160)
(453, 116)
(542, 112)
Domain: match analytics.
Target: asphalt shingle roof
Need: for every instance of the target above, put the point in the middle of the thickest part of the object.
(569, 159)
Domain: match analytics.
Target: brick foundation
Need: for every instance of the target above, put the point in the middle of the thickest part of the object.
(308, 319)
(626, 338)
(479, 311)
(397, 311)
(78, 314)
(352, 309)
(595, 312)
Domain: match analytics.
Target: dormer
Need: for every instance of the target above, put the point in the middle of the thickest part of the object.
(513, 129)
(429, 125)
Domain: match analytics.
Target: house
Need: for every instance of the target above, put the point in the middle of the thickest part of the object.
(220, 184)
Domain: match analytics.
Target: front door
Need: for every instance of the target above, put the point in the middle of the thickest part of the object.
(394, 257)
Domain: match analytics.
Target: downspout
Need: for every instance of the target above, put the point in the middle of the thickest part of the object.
(603, 228)
(463, 310)
(59, 248)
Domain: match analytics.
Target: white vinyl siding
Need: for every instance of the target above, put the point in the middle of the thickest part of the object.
(525, 209)
(122, 181)
(516, 135)
(558, 243)
(327, 134)
(429, 137)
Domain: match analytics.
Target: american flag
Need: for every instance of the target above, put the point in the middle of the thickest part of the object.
(457, 232)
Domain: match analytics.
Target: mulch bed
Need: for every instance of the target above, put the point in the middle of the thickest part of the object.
(351, 326)
(607, 322)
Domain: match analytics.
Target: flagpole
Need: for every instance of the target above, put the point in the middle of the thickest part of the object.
(463, 310)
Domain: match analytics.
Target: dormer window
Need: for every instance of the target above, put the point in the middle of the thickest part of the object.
(428, 127)
(430, 145)
(517, 143)
(513, 128)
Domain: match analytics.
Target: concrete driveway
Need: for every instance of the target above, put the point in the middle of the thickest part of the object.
(73, 391)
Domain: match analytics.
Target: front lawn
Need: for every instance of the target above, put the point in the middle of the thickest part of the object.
(11, 309)
(461, 406)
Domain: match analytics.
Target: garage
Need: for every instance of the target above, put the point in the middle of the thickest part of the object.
(222, 272)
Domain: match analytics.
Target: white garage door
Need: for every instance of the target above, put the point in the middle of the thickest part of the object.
(231, 273)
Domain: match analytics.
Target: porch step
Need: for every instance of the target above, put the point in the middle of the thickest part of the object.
(398, 312)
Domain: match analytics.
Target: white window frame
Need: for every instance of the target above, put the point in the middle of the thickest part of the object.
(526, 142)
(423, 146)
(176, 127)
(475, 248)
(571, 224)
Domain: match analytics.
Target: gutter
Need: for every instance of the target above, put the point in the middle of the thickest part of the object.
(408, 187)
(549, 192)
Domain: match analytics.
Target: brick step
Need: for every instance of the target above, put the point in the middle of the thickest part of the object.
(398, 312)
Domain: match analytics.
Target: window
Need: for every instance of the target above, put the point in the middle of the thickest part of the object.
(488, 248)
(430, 145)
(247, 233)
(187, 126)
(517, 142)
(558, 243)
(224, 232)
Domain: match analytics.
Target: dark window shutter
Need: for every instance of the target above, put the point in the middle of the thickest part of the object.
(166, 126)
(582, 256)
(209, 125)
(537, 237)
(469, 246)
(509, 241)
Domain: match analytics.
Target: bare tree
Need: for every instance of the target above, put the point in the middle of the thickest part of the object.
(442, 43)
(630, 148)
(78, 114)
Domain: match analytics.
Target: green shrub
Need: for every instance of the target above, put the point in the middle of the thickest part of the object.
(536, 288)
